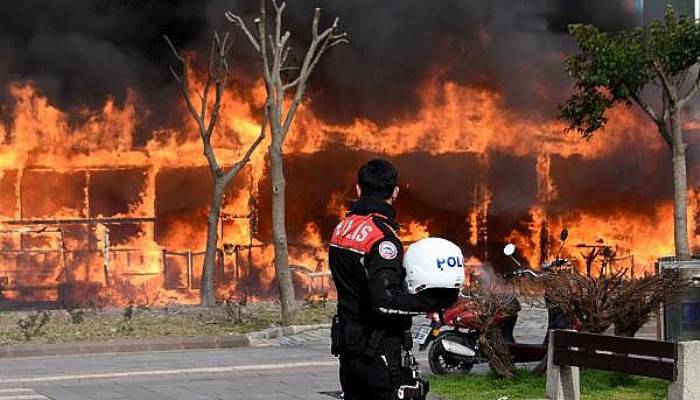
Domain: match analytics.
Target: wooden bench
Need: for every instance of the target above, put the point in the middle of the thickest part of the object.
(570, 350)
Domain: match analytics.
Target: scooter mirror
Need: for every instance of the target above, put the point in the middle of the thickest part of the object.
(564, 234)
(509, 250)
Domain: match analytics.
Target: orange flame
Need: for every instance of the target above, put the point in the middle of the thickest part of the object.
(452, 119)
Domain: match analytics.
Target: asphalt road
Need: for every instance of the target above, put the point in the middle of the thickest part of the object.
(297, 372)
(289, 368)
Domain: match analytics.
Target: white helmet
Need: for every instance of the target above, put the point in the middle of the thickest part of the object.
(433, 263)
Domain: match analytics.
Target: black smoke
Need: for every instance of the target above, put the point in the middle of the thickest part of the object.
(605, 14)
(80, 53)
(513, 48)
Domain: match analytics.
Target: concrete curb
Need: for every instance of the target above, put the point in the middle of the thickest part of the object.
(263, 338)
(292, 330)
(157, 344)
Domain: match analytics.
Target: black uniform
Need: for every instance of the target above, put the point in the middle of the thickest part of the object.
(374, 311)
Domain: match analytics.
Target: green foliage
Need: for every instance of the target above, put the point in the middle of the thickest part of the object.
(595, 385)
(614, 68)
(32, 324)
(234, 311)
(77, 316)
(128, 312)
(124, 326)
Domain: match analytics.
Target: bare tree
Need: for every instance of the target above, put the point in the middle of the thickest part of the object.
(206, 115)
(284, 81)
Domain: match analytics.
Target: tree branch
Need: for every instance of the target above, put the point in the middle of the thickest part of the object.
(647, 108)
(668, 86)
(329, 42)
(207, 87)
(693, 91)
(246, 158)
(261, 22)
(184, 82)
(214, 117)
(238, 21)
(313, 55)
(217, 76)
(274, 63)
(284, 57)
(279, 11)
(291, 84)
(211, 159)
(660, 121)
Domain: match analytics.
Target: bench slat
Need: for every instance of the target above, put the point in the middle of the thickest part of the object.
(616, 363)
(641, 347)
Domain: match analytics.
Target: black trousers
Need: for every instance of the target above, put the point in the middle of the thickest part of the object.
(372, 378)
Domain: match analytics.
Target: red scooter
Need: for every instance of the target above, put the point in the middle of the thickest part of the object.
(456, 350)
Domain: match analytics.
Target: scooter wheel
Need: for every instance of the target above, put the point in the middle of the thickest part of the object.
(442, 363)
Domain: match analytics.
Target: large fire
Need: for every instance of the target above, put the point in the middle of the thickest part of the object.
(87, 212)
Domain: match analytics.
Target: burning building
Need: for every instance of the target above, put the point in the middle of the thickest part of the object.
(105, 190)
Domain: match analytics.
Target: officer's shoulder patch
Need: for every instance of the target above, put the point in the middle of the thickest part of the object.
(388, 250)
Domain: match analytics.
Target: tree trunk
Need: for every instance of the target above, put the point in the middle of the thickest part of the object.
(207, 285)
(279, 232)
(495, 349)
(680, 186)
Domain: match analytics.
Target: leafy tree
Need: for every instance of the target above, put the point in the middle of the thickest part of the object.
(626, 68)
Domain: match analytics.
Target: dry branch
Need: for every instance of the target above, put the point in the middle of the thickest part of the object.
(637, 298)
(490, 306)
(587, 299)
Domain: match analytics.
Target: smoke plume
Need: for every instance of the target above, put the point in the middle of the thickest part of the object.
(81, 53)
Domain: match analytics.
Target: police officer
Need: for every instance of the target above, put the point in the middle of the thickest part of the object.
(373, 323)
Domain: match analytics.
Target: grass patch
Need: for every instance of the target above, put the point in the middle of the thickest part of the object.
(595, 385)
(145, 322)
